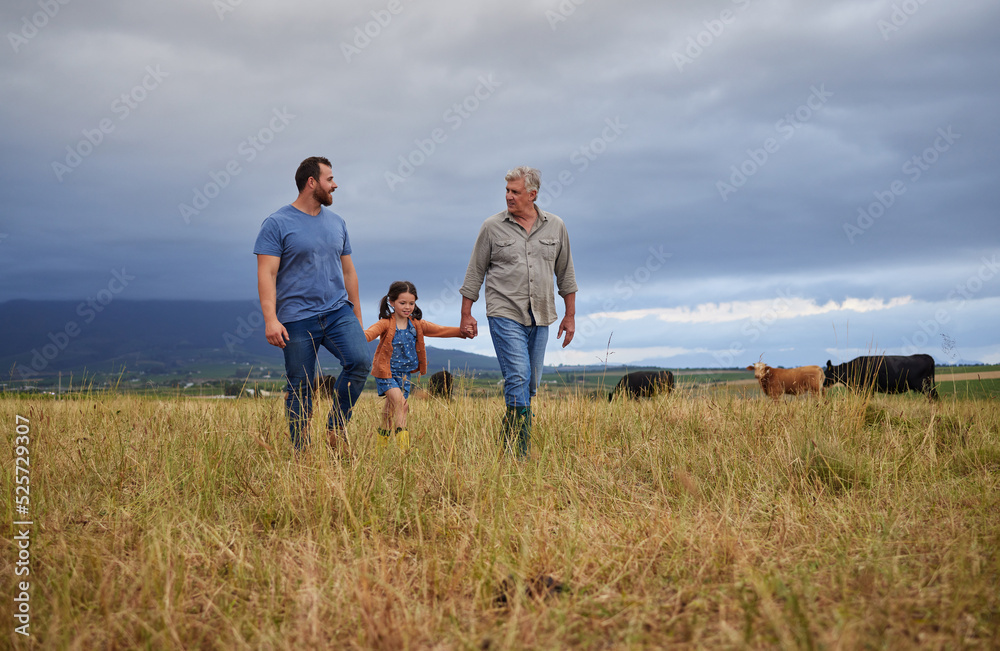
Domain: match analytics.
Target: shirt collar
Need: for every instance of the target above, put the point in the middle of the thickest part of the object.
(542, 215)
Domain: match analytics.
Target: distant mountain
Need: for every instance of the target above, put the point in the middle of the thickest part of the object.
(963, 362)
(43, 338)
(457, 360)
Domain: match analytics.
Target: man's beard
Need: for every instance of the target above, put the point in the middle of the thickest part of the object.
(324, 198)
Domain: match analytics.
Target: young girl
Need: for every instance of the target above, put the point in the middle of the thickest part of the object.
(400, 351)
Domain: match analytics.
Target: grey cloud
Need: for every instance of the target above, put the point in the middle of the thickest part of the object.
(561, 76)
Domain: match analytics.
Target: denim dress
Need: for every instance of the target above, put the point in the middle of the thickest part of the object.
(402, 363)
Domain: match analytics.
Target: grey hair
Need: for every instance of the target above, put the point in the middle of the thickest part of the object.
(532, 177)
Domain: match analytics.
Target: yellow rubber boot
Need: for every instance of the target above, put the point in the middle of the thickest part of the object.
(403, 440)
(382, 440)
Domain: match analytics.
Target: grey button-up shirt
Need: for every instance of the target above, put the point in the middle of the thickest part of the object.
(518, 267)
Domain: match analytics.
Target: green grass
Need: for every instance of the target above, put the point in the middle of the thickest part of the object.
(970, 389)
(691, 520)
(951, 370)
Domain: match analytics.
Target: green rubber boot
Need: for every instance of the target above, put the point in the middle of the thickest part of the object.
(516, 431)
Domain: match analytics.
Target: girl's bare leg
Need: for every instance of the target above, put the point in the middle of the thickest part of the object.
(394, 410)
(402, 412)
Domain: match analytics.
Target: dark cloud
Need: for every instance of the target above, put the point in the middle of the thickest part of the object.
(763, 145)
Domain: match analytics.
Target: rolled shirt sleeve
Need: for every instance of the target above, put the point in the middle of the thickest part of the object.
(479, 262)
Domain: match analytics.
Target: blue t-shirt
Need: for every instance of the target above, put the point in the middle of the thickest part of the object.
(310, 276)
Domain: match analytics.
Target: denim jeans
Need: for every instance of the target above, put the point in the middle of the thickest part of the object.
(339, 332)
(520, 351)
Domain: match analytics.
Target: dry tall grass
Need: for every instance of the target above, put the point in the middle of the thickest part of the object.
(679, 521)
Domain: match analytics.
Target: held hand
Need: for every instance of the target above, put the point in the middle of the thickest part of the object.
(567, 325)
(276, 334)
(469, 327)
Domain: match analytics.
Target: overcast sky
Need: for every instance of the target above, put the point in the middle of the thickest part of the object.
(740, 179)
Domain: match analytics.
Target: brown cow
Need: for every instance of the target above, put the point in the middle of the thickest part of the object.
(776, 382)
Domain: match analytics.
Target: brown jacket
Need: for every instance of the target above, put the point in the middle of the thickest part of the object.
(385, 330)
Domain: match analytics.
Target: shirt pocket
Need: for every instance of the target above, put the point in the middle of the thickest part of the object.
(504, 251)
(549, 248)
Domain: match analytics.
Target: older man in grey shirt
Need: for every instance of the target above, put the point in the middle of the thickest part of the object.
(518, 252)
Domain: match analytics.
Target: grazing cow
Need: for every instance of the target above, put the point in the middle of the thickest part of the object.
(643, 384)
(885, 374)
(324, 386)
(440, 384)
(776, 382)
(538, 587)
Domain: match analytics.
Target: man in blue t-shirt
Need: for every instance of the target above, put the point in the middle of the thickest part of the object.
(309, 296)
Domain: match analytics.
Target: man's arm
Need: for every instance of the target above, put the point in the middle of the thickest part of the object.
(568, 324)
(468, 323)
(267, 284)
(351, 284)
(566, 281)
(479, 261)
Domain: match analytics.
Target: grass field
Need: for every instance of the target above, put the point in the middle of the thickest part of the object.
(689, 520)
(970, 389)
(954, 370)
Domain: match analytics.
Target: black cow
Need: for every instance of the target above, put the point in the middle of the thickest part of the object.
(324, 386)
(440, 384)
(643, 384)
(885, 373)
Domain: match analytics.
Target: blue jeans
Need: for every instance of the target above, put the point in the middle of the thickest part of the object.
(521, 352)
(340, 333)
